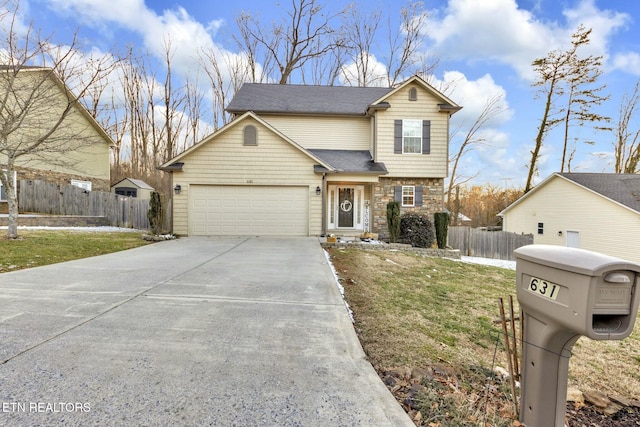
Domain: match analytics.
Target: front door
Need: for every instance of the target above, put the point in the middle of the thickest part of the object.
(345, 207)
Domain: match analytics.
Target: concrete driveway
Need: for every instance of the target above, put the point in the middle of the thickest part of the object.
(195, 331)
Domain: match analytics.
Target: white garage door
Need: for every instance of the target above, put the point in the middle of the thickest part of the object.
(248, 210)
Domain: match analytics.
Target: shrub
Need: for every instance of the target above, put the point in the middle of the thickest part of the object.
(441, 221)
(155, 213)
(393, 221)
(416, 230)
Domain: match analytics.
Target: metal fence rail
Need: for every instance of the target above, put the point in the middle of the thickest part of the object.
(44, 197)
(486, 244)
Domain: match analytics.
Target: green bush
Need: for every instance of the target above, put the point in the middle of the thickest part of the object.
(393, 221)
(441, 221)
(416, 230)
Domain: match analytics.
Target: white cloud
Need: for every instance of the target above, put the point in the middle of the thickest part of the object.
(628, 62)
(376, 72)
(473, 95)
(499, 30)
(175, 27)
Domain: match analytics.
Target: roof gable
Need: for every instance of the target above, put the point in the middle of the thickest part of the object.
(51, 75)
(176, 163)
(623, 189)
(137, 182)
(445, 103)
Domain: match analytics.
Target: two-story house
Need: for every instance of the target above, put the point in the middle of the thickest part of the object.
(309, 160)
(76, 151)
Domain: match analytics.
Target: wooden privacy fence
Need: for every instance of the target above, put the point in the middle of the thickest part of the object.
(487, 244)
(120, 211)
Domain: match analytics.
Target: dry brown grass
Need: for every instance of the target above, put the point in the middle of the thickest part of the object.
(414, 311)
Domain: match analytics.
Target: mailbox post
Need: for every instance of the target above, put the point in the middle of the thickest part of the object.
(566, 293)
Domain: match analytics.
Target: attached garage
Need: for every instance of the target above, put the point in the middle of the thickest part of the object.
(239, 210)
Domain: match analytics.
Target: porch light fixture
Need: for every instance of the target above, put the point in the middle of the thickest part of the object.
(177, 189)
(318, 191)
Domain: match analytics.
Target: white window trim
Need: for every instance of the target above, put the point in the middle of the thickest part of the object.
(413, 195)
(419, 152)
(332, 207)
(15, 183)
(85, 185)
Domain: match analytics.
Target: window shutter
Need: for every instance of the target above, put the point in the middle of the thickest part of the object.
(426, 136)
(397, 193)
(418, 195)
(397, 136)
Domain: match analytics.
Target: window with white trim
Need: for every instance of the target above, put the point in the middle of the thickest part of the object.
(412, 136)
(3, 192)
(85, 185)
(408, 195)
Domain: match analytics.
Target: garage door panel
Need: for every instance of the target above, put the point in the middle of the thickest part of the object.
(249, 210)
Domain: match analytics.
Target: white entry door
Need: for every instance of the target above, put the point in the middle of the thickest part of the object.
(573, 239)
(345, 206)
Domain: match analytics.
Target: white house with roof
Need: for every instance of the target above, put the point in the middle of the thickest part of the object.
(595, 211)
(131, 187)
(309, 160)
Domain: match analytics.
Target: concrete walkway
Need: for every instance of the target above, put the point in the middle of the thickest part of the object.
(195, 331)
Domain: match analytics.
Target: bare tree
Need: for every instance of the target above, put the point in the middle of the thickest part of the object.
(406, 43)
(41, 87)
(402, 56)
(287, 46)
(583, 73)
(492, 108)
(226, 74)
(360, 32)
(627, 139)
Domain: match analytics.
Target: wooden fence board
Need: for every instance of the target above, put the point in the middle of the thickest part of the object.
(44, 197)
(486, 244)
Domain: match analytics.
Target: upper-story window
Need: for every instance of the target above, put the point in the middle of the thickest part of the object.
(412, 136)
(250, 135)
(413, 94)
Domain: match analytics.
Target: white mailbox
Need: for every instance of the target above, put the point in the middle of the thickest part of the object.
(566, 293)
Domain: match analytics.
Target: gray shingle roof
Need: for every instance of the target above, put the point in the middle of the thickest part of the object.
(301, 99)
(622, 188)
(355, 161)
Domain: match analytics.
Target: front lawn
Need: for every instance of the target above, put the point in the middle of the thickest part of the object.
(441, 315)
(41, 247)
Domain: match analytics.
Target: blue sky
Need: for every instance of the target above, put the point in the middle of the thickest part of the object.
(485, 48)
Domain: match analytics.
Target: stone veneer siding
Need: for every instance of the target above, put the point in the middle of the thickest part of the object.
(383, 190)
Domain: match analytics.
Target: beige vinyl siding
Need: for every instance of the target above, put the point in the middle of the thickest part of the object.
(433, 165)
(335, 133)
(561, 205)
(225, 161)
(78, 147)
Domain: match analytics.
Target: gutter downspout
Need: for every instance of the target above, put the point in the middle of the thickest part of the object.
(324, 205)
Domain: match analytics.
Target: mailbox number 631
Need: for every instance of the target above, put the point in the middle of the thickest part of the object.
(544, 288)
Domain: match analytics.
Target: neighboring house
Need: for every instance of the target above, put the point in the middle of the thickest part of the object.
(595, 211)
(130, 187)
(311, 160)
(86, 165)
